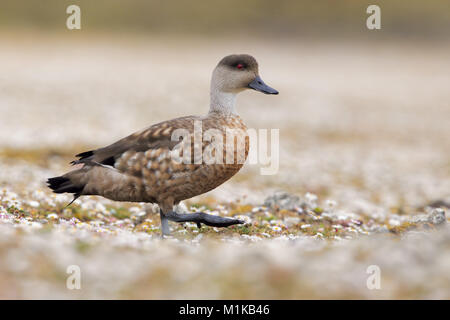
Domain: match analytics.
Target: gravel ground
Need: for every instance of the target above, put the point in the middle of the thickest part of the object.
(364, 175)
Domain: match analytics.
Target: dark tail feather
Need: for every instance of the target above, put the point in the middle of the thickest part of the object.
(75, 197)
(62, 184)
(83, 156)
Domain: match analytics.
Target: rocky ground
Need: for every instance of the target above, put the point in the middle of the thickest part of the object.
(363, 182)
(290, 247)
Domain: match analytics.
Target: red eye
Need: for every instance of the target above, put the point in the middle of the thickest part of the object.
(240, 66)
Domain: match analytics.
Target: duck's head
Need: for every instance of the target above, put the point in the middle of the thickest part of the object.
(238, 72)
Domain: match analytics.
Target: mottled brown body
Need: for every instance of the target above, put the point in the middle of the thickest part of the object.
(146, 170)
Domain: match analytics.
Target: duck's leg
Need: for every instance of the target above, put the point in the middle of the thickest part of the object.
(165, 228)
(199, 218)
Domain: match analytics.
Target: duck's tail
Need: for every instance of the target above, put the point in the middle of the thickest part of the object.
(63, 184)
(67, 183)
(100, 180)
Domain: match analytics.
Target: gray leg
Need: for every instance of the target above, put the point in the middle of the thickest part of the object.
(165, 229)
(201, 217)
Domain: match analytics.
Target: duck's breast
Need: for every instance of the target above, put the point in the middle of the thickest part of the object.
(224, 149)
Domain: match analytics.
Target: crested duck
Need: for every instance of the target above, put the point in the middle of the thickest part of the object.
(141, 167)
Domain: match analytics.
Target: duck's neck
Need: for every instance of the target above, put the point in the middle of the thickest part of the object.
(222, 102)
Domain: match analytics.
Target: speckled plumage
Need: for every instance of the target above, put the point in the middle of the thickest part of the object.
(145, 171)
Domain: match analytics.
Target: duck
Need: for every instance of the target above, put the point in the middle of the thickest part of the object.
(164, 164)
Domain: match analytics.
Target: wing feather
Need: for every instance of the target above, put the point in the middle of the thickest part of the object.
(154, 137)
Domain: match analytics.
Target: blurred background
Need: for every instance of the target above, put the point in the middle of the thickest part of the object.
(260, 18)
(364, 121)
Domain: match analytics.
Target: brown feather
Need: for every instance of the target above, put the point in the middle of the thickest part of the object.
(144, 170)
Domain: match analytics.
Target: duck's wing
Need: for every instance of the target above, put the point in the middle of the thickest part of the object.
(155, 137)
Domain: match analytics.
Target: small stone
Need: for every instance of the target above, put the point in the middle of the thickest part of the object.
(181, 208)
(380, 229)
(134, 209)
(100, 207)
(420, 218)
(437, 216)
(34, 204)
(283, 201)
(291, 221)
(394, 222)
(330, 204)
(311, 198)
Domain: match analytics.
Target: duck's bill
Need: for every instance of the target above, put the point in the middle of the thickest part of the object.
(259, 85)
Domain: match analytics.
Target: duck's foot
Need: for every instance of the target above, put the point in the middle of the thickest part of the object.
(201, 217)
